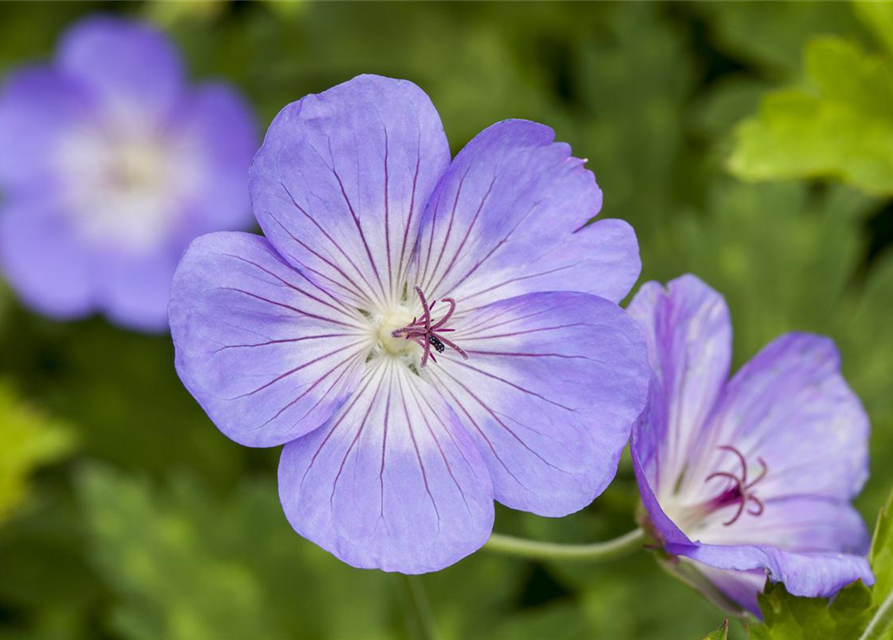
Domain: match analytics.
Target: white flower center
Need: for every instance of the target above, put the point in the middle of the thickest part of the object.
(396, 319)
(125, 181)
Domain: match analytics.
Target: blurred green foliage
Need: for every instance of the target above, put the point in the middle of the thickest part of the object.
(29, 439)
(840, 125)
(159, 527)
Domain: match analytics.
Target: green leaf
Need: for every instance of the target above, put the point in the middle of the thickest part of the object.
(29, 440)
(783, 28)
(720, 633)
(866, 342)
(188, 566)
(167, 14)
(781, 254)
(877, 16)
(881, 623)
(561, 620)
(788, 617)
(841, 126)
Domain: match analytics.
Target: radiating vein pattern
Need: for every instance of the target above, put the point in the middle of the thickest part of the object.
(423, 336)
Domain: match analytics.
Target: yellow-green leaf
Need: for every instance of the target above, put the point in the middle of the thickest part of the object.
(29, 440)
(839, 126)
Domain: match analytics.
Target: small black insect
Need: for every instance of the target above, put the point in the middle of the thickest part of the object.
(436, 343)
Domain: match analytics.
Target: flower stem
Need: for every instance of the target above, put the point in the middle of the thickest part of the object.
(419, 618)
(537, 550)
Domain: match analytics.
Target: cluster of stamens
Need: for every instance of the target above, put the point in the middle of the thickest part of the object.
(741, 491)
(427, 333)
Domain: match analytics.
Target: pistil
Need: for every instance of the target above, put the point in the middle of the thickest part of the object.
(741, 491)
(427, 333)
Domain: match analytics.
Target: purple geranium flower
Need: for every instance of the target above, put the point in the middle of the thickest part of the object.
(426, 336)
(753, 476)
(109, 165)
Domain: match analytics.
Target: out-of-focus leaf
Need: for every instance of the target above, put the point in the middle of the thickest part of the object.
(771, 35)
(877, 16)
(28, 439)
(780, 253)
(841, 126)
(562, 620)
(725, 104)
(288, 9)
(167, 13)
(186, 567)
(461, 611)
(639, 578)
(720, 633)
(632, 134)
(866, 341)
(121, 395)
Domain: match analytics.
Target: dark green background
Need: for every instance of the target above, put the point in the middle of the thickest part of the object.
(157, 527)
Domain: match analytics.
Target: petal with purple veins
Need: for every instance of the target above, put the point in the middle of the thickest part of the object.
(392, 481)
(689, 336)
(797, 523)
(268, 353)
(790, 407)
(550, 389)
(508, 219)
(341, 180)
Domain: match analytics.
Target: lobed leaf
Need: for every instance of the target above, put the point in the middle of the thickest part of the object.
(840, 126)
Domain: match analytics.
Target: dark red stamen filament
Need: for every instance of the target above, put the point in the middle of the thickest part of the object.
(741, 490)
(428, 334)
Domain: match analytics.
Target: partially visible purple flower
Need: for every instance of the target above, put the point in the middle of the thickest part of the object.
(750, 477)
(109, 165)
(424, 336)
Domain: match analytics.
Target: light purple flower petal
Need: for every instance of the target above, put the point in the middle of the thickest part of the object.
(217, 119)
(797, 523)
(340, 182)
(37, 106)
(268, 353)
(741, 587)
(392, 481)
(791, 407)
(766, 464)
(134, 290)
(49, 269)
(551, 387)
(129, 64)
(661, 526)
(689, 338)
(824, 539)
(812, 575)
(507, 219)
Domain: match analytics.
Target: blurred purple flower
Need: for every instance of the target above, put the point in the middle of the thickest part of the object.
(109, 165)
(426, 336)
(750, 477)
